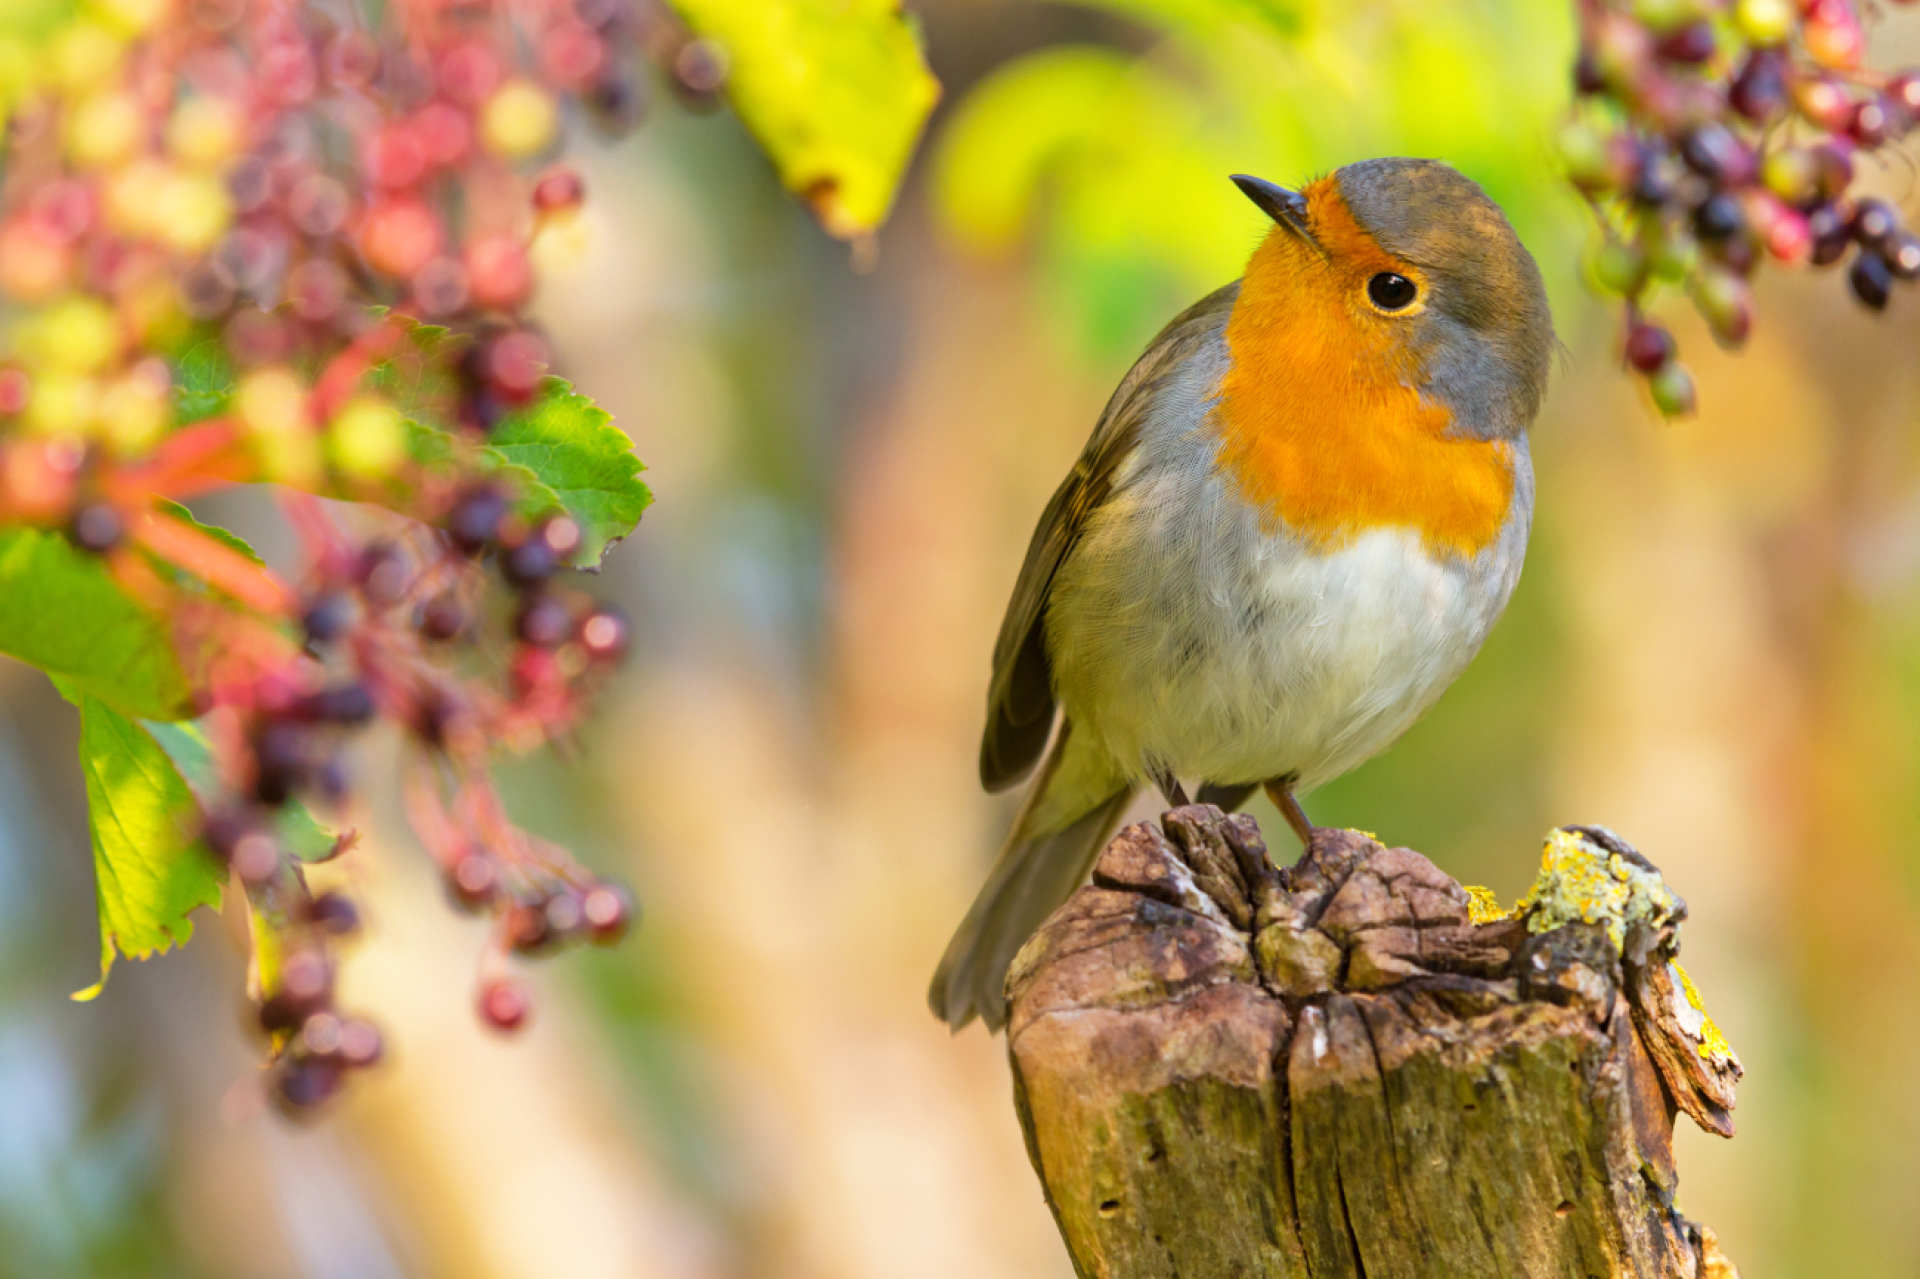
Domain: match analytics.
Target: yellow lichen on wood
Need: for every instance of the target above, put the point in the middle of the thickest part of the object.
(1581, 881)
(1691, 1012)
(1483, 906)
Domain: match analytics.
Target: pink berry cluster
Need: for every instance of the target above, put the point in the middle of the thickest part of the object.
(299, 188)
(1713, 135)
(464, 637)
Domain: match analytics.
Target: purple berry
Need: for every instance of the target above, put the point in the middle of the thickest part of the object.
(544, 622)
(334, 913)
(97, 527)
(1875, 224)
(1832, 233)
(1872, 280)
(475, 519)
(329, 616)
(1649, 347)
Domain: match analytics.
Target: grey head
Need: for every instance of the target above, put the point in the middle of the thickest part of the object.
(1485, 337)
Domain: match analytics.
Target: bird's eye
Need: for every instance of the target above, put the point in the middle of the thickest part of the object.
(1392, 292)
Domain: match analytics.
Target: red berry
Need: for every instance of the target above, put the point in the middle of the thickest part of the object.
(1903, 94)
(559, 190)
(472, 880)
(469, 72)
(442, 617)
(1689, 46)
(527, 929)
(498, 274)
(1870, 125)
(604, 634)
(305, 976)
(444, 133)
(353, 59)
(1903, 256)
(1790, 236)
(1648, 347)
(572, 53)
(285, 72)
(255, 858)
(504, 1004)
(399, 237)
(394, 158)
(360, 1045)
(515, 362)
(608, 913)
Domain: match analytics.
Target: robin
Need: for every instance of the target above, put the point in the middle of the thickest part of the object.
(1297, 519)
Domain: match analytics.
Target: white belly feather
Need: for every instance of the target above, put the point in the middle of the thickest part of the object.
(1186, 639)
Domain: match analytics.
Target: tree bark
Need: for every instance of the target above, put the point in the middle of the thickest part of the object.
(1356, 1067)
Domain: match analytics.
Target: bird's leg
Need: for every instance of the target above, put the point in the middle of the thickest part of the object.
(1170, 788)
(1280, 791)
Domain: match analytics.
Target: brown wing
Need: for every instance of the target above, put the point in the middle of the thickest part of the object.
(1020, 699)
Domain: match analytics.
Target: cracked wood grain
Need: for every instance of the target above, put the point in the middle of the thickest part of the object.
(1225, 1069)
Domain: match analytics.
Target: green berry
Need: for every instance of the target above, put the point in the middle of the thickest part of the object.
(1672, 389)
(1619, 267)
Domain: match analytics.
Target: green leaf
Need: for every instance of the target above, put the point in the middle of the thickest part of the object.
(148, 873)
(60, 610)
(835, 90)
(146, 782)
(187, 748)
(419, 381)
(202, 382)
(232, 541)
(572, 447)
(560, 453)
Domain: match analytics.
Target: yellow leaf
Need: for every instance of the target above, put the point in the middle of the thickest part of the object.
(835, 90)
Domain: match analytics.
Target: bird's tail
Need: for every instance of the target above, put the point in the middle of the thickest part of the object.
(1070, 809)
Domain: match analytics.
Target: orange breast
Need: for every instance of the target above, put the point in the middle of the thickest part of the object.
(1319, 423)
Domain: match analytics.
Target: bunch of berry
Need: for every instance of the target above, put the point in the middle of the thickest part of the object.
(222, 226)
(1713, 134)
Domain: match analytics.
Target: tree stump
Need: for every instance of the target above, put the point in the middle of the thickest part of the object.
(1357, 1067)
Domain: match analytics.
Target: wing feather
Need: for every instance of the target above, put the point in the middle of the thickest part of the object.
(1020, 703)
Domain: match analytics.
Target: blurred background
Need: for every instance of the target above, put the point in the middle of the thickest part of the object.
(1715, 650)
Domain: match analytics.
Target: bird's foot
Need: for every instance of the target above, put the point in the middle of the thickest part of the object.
(1280, 791)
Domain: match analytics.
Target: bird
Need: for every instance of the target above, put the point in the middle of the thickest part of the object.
(1296, 521)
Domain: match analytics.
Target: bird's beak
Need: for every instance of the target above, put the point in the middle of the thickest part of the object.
(1288, 208)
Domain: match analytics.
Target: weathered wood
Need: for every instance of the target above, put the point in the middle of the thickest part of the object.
(1353, 1068)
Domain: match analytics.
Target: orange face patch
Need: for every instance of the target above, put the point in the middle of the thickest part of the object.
(1319, 422)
